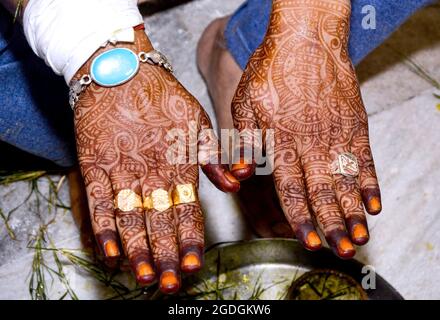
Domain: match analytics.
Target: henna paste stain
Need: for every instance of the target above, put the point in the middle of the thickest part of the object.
(301, 84)
(169, 283)
(121, 135)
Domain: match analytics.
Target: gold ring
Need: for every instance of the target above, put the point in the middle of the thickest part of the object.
(346, 164)
(184, 193)
(127, 200)
(159, 200)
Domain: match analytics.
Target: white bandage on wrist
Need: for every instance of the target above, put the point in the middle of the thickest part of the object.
(66, 33)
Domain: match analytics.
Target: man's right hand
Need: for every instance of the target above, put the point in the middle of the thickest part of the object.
(121, 135)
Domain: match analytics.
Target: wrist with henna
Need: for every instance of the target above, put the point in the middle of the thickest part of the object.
(123, 142)
(301, 84)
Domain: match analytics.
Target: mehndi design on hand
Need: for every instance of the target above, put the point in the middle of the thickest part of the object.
(301, 83)
(122, 143)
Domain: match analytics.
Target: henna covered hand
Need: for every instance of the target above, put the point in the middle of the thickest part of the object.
(123, 142)
(301, 84)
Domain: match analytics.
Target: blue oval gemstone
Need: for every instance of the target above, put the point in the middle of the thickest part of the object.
(114, 67)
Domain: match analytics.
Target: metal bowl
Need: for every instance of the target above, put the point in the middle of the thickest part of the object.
(269, 268)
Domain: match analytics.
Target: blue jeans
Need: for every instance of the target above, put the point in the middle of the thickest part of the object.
(34, 113)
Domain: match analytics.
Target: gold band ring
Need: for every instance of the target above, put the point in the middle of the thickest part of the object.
(159, 200)
(184, 193)
(127, 200)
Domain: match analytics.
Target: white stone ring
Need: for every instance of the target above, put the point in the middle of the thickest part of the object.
(346, 164)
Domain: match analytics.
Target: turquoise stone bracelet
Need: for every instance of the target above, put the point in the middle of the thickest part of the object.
(115, 67)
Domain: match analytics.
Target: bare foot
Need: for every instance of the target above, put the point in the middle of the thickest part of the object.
(257, 196)
(219, 69)
(80, 208)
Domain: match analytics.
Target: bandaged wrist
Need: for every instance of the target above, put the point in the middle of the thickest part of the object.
(66, 33)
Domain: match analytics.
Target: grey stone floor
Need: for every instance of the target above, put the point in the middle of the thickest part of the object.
(404, 120)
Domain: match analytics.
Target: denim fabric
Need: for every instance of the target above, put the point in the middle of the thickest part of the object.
(247, 27)
(34, 112)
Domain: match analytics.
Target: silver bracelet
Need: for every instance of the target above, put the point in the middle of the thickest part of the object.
(115, 67)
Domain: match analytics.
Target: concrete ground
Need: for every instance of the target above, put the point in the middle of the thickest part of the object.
(404, 121)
